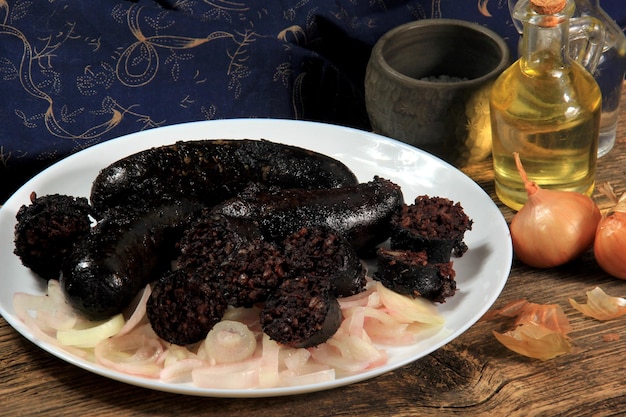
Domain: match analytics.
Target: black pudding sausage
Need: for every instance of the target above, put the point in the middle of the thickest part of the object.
(301, 312)
(359, 212)
(212, 171)
(125, 251)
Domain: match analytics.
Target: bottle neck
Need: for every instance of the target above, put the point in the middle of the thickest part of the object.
(545, 42)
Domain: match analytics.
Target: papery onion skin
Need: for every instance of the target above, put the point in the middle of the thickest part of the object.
(609, 247)
(553, 227)
(600, 305)
(535, 342)
(540, 330)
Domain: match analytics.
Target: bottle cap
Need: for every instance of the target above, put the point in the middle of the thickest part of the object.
(548, 6)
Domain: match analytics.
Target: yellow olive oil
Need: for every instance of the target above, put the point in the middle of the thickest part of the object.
(546, 108)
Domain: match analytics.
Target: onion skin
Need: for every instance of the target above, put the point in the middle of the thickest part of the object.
(600, 305)
(553, 227)
(609, 247)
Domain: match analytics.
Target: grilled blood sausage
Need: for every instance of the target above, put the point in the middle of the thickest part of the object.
(183, 308)
(212, 171)
(301, 313)
(325, 252)
(410, 273)
(47, 229)
(232, 253)
(359, 212)
(123, 252)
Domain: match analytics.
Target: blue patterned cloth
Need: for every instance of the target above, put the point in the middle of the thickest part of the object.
(76, 73)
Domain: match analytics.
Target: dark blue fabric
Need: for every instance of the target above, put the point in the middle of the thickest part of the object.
(76, 73)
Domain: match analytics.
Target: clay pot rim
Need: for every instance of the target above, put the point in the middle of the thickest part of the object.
(377, 52)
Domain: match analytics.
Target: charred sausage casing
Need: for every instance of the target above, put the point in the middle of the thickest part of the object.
(212, 171)
(360, 212)
(123, 253)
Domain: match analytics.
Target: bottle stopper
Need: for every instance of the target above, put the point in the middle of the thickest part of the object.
(547, 6)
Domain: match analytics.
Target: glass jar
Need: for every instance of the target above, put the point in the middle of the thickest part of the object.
(609, 71)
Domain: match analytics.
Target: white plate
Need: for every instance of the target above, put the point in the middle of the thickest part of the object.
(481, 272)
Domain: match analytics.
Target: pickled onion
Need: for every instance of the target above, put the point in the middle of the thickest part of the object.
(243, 375)
(89, 337)
(291, 378)
(180, 370)
(139, 352)
(45, 314)
(374, 317)
(295, 359)
(270, 363)
(406, 309)
(139, 313)
(229, 341)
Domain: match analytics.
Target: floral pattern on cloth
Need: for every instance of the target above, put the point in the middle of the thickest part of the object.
(77, 73)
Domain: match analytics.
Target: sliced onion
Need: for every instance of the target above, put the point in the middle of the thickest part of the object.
(229, 341)
(178, 363)
(138, 315)
(355, 348)
(61, 315)
(91, 336)
(242, 375)
(50, 312)
(366, 298)
(354, 321)
(600, 305)
(377, 326)
(180, 371)
(139, 352)
(383, 329)
(349, 355)
(408, 310)
(35, 309)
(270, 361)
(291, 378)
(24, 303)
(133, 348)
(175, 353)
(332, 356)
(295, 359)
(351, 348)
(421, 331)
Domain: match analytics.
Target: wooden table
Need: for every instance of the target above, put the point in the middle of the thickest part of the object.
(473, 375)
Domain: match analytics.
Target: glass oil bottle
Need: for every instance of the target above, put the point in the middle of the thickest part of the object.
(609, 71)
(546, 107)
